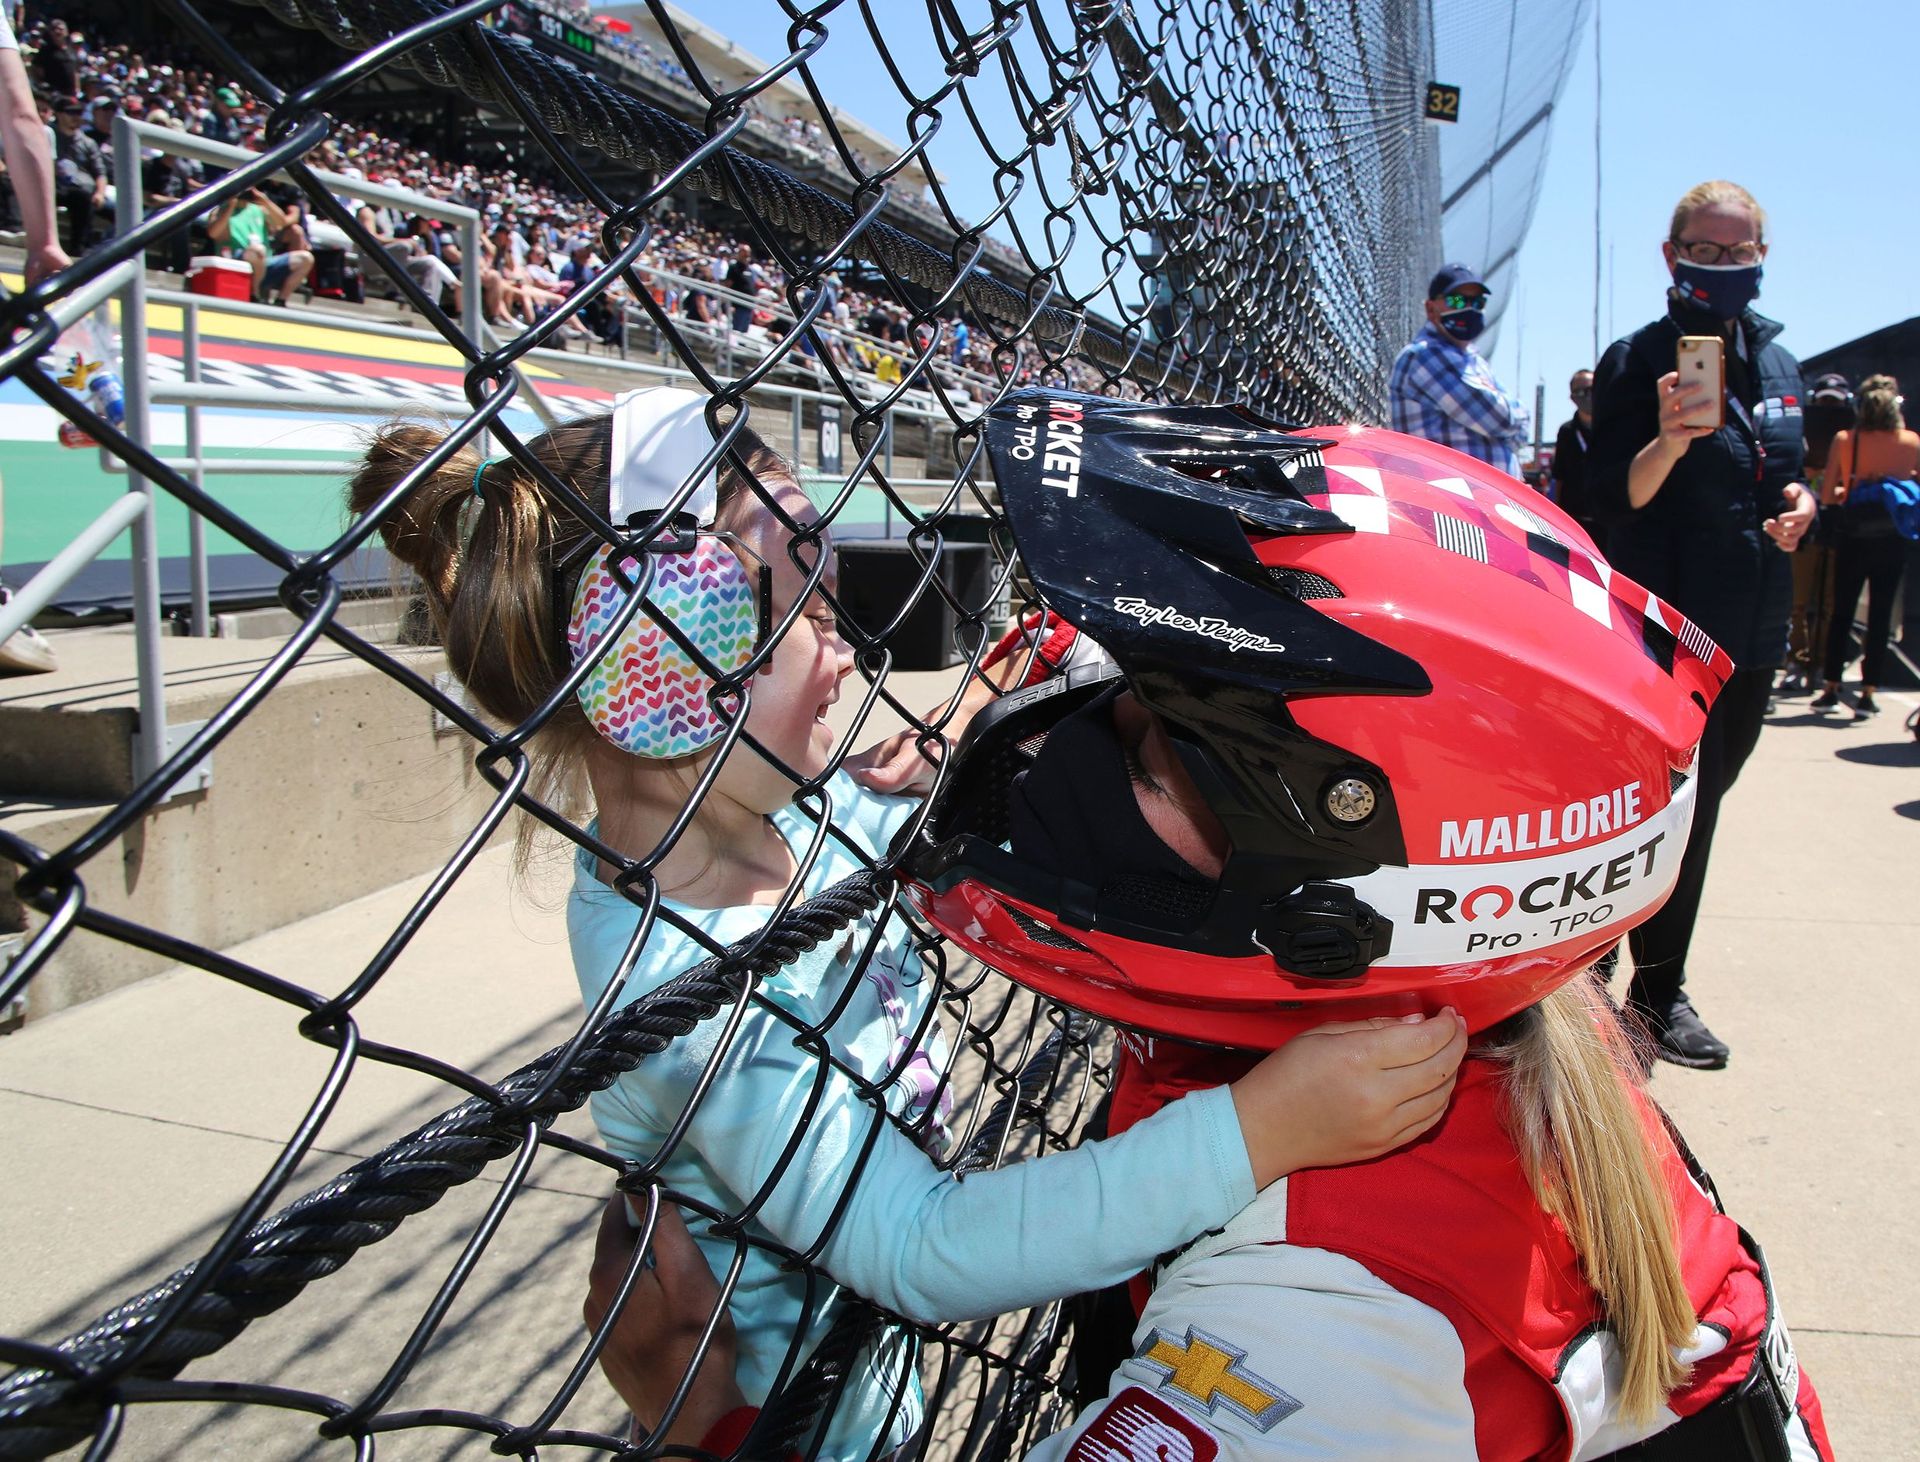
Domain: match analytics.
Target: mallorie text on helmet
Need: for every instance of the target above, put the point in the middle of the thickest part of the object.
(1586, 820)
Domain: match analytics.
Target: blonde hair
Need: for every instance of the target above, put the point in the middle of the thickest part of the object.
(1585, 1138)
(498, 574)
(1880, 405)
(1717, 191)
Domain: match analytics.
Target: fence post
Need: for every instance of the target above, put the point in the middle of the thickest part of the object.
(202, 616)
(151, 747)
(470, 306)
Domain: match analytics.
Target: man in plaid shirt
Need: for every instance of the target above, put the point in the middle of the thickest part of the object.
(1443, 389)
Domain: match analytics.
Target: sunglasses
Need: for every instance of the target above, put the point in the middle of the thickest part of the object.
(1462, 301)
(1705, 251)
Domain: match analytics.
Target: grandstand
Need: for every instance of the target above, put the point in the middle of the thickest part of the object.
(408, 138)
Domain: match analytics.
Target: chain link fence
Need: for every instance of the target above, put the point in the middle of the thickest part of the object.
(1206, 200)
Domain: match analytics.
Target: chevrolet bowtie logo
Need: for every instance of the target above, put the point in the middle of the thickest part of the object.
(1206, 1369)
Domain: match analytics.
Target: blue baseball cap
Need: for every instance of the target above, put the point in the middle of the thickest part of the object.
(1452, 277)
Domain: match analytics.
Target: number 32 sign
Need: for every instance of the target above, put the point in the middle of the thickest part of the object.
(1443, 102)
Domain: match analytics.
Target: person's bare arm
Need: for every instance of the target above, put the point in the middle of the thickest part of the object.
(1834, 482)
(657, 1335)
(1654, 462)
(276, 215)
(370, 221)
(30, 164)
(220, 226)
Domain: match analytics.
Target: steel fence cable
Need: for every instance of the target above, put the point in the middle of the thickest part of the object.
(41, 1412)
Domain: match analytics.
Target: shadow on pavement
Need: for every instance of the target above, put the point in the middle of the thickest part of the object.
(1810, 718)
(1883, 754)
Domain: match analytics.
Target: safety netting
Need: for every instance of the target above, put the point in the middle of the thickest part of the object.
(1511, 63)
(1196, 200)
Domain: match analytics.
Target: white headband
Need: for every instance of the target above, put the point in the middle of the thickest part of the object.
(659, 436)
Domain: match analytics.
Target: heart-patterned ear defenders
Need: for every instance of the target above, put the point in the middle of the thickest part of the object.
(646, 693)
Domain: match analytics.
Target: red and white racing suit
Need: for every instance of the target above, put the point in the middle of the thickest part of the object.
(1422, 1305)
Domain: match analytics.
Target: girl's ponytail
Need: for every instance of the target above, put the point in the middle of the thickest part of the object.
(484, 540)
(421, 532)
(1585, 1136)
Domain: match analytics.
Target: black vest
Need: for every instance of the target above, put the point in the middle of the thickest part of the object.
(1699, 544)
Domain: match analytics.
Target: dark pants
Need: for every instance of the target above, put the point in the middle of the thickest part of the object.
(1874, 564)
(1660, 945)
(76, 219)
(1812, 606)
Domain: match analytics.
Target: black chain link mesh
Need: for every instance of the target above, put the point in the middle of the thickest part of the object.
(1209, 199)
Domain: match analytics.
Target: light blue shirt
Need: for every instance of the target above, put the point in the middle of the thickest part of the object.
(912, 1238)
(1445, 391)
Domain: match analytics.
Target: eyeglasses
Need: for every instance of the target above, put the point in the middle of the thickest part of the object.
(1458, 301)
(1705, 251)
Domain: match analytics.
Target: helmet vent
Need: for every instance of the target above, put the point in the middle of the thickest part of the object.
(1167, 901)
(1676, 779)
(1040, 933)
(1030, 747)
(1303, 585)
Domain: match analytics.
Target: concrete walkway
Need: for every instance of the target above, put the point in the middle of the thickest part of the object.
(132, 1125)
(1805, 962)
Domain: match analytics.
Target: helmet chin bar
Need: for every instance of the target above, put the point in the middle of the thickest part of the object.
(1273, 899)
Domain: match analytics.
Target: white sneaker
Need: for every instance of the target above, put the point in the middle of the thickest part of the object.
(25, 651)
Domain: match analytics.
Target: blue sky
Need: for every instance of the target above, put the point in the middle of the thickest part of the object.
(1807, 106)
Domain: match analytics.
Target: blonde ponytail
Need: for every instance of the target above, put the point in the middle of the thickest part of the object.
(1880, 405)
(1584, 1139)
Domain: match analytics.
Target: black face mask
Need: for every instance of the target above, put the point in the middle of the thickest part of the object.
(1073, 812)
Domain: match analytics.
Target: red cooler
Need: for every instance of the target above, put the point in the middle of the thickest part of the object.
(226, 279)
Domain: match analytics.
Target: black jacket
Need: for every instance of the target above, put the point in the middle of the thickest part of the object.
(1570, 476)
(1699, 544)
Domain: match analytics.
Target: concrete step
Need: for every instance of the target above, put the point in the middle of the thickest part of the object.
(338, 783)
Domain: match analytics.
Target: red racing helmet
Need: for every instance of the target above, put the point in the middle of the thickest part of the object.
(1450, 748)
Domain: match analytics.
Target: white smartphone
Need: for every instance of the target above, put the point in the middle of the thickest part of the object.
(1702, 361)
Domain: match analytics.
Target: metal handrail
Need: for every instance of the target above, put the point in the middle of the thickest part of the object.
(903, 353)
(131, 141)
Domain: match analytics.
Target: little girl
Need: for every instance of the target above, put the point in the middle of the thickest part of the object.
(521, 590)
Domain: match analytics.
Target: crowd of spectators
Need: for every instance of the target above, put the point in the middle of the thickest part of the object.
(804, 133)
(539, 240)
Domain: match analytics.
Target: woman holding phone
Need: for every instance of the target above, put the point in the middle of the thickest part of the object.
(1703, 505)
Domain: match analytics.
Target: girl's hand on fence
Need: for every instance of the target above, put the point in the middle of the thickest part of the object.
(898, 766)
(1348, 1091)
(895, 767)
(656, 1337)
